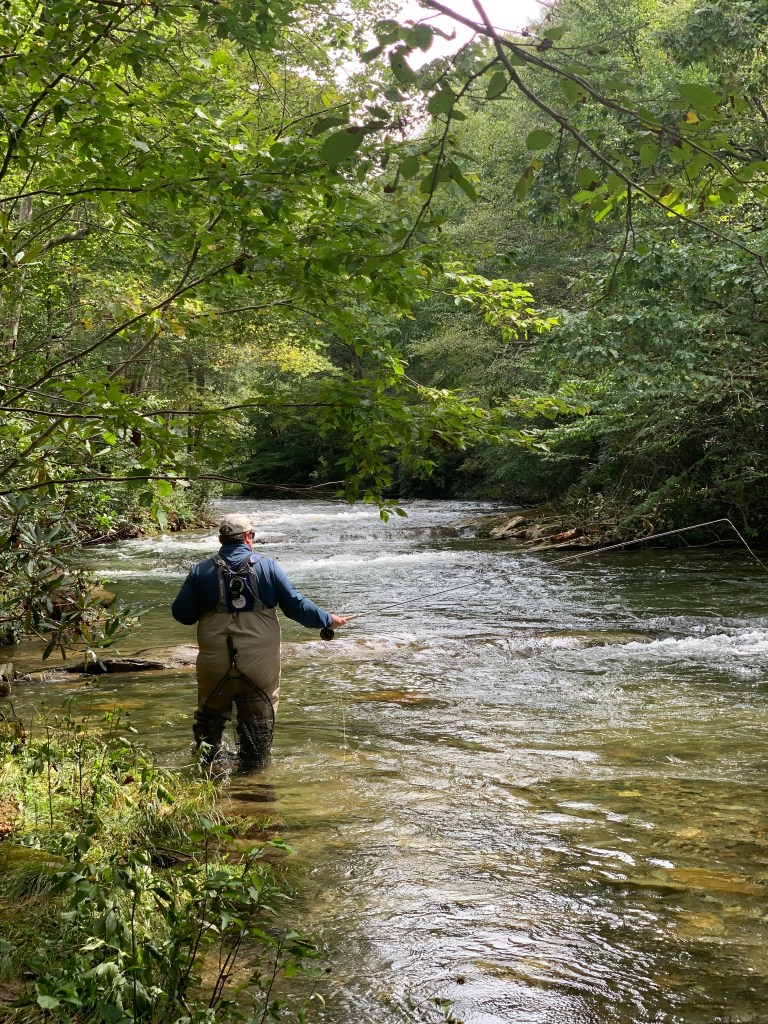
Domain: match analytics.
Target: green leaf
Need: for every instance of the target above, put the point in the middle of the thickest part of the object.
(464, 184)
(421, 37)
(523, 187)
(410, 167)
(587, 177)
(498, 83)
(700, 96)
(371, 54)
(48, 1002)
(615, 184)
(340, 146)
(649, 154)
(555, 33)
(602, 214)
(332, 121)
(441, 102)
(387, 31)
(401, 69)
(430, 181)
(572, 91)
(539, 139)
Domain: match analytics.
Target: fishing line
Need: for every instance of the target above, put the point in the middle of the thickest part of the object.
(328, 634)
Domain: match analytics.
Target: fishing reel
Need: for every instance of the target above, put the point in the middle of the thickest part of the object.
(328, 633)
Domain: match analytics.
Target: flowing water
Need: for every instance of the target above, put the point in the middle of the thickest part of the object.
(541, 796)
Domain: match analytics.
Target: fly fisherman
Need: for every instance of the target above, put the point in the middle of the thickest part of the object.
(232, 597)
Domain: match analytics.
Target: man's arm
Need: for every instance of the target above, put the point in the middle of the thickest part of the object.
(185, 606)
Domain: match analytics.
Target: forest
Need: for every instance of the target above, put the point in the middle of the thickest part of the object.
(277, 248)
(251, 247)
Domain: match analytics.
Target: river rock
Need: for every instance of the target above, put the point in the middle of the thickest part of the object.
(154, 659)
(482, 525)
(597, 637)
(509, 528)
(121, 531)
(65, 597)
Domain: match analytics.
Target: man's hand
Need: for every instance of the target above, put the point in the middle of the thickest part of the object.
(337, 621)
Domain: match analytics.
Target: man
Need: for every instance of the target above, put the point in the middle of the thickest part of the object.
(232, 598)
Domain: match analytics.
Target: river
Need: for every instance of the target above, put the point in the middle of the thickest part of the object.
(541, 796)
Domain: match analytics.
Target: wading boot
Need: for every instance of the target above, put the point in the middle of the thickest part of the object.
(208, 728)
(255, 722)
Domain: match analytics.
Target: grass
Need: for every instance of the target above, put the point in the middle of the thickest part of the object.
(125, 897)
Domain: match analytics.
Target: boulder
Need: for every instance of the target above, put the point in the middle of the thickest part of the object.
(511, 528)
(63, 599)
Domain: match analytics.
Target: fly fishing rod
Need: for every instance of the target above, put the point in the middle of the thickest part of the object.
(328, 634)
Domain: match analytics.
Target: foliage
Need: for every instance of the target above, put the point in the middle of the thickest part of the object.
(186, 192)
(40, 592)
(202, 230)
(144, 913)
(659, 328)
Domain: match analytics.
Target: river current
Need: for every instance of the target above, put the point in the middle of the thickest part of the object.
(541, 796)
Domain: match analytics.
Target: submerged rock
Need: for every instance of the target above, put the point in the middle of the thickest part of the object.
(153, 659)
(597, 637)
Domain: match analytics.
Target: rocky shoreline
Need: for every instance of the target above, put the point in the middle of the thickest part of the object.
(537, 529)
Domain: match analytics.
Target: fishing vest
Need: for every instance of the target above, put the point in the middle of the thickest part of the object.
(238, 586)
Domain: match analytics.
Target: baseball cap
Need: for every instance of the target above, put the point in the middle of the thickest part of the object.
(234, 526)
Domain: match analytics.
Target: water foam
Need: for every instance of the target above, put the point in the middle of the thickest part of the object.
(745, 644)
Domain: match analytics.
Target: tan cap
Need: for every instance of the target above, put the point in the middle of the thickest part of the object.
(234, 527)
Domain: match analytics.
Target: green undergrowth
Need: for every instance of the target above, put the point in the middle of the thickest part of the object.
(125, 895)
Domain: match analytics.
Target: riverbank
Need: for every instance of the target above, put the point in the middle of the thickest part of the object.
(546, 527)
(126, 894)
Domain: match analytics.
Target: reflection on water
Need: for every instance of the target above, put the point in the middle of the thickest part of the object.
(541, 796)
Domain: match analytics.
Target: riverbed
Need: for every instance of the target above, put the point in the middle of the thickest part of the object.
(537, 790)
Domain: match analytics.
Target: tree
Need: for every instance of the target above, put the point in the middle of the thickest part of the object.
(183, 175)
(659, 317)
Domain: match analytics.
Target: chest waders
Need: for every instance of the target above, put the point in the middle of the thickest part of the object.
(255, 711)
(255, 716)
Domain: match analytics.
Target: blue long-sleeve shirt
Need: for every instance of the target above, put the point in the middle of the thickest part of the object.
(200, 591)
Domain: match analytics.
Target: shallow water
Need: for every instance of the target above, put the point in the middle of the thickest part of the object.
(486, 806)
